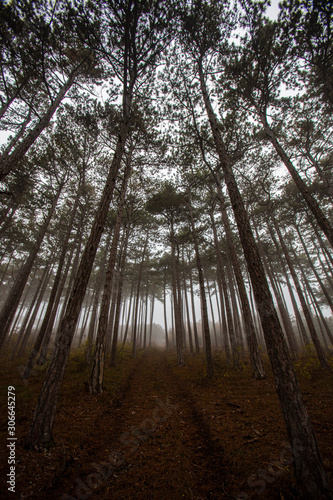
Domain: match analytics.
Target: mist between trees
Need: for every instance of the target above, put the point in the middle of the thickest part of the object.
(154, 161)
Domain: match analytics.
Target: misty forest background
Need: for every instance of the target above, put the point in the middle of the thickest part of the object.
(166, 178)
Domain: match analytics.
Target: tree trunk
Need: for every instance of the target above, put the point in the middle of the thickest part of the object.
(48, 333)
(13, 299)
(320, 217)
(165, 314)
(151, 318)
(31, 307)
(204, 319)
(33, 316)
(40, 432)
(212, 311)
(135, 325)
(51, 302)
(308, 318)
(321, 284)
(97, 372)
(176, 304)
(195, 330)
(187, 312)
(129, 312)
(252, 341)
(119, 296)
(299, 320)
(222, 279)
(309, 468)
(283, 313)
(9, 161)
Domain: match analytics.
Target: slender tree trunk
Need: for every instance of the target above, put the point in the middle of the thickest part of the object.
(92, 325)
(310, 472)
(124, 312)
(129, 312)
(135, 325)
(176, 303)
(13, 299)
(320, 217)
(311, 294)
(9, 161)
(218, 308)
(299, 320)
(195, 329)
(55, 309)
(97, 372)
(235, 313)
(146, 315)
(165, 314)
(40, 432)
(151, 318)
(51, 302)
(205, 324)
(211, 311)
(119, 296)
(321, 284)
(23, 328)
(283, 313)
(252, 341)
(33, 316)
(88, 309)
(221, 274)
(114, 295)
(187, 313)
(308, 318)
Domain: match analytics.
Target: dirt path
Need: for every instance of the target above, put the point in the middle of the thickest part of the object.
(156, 446)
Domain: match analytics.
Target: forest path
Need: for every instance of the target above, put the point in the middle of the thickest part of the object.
(158, 445)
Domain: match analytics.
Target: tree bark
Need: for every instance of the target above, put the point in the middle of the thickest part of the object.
(135, 325)
(40, 432)
(9, 161)
(256, 361)
(204, 319)
(119, 297)
(320, 217)
(310, 472)
(97, 372)
(176, 304)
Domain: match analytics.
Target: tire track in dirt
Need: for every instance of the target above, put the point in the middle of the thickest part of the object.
(95, 445)
(158, 444)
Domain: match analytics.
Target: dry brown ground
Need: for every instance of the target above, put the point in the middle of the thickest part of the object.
(163, 432)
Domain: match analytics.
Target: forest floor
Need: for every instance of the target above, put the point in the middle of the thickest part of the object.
(162, 432)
